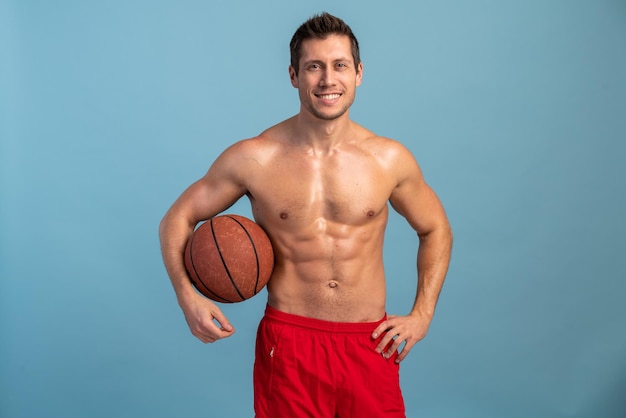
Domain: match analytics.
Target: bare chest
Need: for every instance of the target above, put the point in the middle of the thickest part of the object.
(344, 189)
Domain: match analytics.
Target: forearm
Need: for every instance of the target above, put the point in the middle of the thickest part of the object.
(433, 259)
(174, 233)
(206, 321)
(432, 265)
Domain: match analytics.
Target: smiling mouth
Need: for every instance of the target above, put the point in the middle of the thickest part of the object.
(328, 96)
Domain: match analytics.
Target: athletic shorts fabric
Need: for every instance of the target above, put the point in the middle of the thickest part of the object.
(306, 367)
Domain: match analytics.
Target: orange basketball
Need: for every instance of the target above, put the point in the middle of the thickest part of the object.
(229, 258)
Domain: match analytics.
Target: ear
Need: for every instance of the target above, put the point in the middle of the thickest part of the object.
(293, 76)
(359, 74)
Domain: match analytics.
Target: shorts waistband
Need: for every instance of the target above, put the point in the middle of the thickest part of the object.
(321, 325)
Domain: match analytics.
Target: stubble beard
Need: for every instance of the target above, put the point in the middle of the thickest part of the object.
(329, 117)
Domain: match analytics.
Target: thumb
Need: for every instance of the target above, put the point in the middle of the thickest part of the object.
(223, 321)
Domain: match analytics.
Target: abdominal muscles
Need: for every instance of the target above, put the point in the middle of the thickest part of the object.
(330, 270)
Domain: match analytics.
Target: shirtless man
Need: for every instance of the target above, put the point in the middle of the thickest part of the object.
(320, 184)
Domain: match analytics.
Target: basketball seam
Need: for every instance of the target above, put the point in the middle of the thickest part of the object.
(256, 255)
(230, 277)
(193, 265)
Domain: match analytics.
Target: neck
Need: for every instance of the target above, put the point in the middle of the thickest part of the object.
(319, 133)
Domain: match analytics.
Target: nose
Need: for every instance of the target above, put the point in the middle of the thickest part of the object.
(328, 78)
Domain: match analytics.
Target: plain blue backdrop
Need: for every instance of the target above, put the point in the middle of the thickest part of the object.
(515, 110)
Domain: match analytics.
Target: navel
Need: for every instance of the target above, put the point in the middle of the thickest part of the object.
(332, 284)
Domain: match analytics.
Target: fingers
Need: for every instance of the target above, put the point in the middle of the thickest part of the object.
(208, 323)
(390, 332)
(393, 333)
(405, 351)
(388, 343)
(208, 331)
(383, 327)
(223, 321)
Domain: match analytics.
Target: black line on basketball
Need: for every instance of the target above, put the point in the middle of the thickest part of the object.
(256, 255)
(193, 265)
(224, 261)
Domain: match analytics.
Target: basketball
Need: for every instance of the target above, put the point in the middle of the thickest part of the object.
(229, 258)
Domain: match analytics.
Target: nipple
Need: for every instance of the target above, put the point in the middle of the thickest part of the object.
(283, 215)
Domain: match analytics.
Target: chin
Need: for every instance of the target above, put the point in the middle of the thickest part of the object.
(327, 115)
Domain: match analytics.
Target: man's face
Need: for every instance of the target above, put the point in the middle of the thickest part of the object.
(327, 78)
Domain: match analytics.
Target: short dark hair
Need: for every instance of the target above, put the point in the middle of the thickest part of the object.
(319, 27)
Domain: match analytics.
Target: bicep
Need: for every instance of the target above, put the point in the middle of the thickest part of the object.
(215, 192)
(207, 198)
(416, 201)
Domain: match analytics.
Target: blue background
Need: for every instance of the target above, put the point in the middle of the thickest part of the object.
(515, 110)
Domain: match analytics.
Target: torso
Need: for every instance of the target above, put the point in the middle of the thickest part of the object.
(325, 214)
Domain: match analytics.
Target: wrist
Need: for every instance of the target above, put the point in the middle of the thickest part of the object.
(185, 293)
(424, 313)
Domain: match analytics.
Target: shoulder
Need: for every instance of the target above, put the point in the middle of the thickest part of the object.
(392, 154)
(391, 148)
(245, 156)
(249, 146)
(248, 151)
(382, 146)
(265, 143)
(401, 165)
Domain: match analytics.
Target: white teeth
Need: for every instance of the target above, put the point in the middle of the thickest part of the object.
(329, 96)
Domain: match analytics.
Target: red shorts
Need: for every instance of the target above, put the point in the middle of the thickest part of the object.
(306, 367)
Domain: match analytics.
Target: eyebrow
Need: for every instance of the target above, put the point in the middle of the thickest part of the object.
(342, 59)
